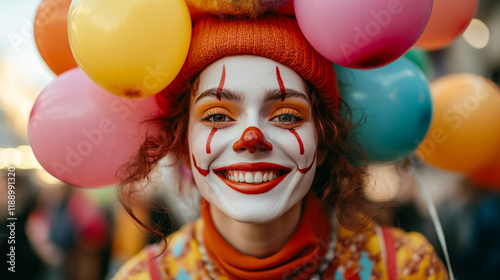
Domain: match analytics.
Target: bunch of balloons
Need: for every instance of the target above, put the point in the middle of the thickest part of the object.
(79, 132)
(133, 49)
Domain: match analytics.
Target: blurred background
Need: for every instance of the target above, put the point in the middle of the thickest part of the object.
(64, 232)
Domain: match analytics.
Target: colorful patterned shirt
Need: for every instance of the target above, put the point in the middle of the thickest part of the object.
(358, 256)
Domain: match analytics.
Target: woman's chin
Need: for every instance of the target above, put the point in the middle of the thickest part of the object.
(255, 213)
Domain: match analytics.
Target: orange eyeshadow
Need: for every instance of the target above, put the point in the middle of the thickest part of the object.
(231, 108)
(292, 104)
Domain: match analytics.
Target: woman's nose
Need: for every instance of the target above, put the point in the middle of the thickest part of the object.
(252, 140)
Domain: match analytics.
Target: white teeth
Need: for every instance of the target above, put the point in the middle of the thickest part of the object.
(257, 178)
(251, 177)
(265, 178)
(248, 177)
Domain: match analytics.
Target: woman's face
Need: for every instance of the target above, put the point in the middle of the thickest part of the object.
(252, 139)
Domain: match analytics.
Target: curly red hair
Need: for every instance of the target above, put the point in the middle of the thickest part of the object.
(338, 183)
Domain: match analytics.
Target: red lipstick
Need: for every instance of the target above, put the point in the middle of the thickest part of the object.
(250, 188)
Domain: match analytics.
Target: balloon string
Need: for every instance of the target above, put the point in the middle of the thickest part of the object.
(434, 216)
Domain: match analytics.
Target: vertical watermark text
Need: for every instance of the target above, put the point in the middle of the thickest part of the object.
(11, 219)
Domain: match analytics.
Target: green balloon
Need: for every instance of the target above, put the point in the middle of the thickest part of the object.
(422, 59)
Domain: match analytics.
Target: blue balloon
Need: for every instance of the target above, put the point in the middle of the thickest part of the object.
(391, 107)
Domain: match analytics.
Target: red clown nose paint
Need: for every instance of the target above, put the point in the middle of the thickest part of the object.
(209, 140)
(252, 140)
(301, 145)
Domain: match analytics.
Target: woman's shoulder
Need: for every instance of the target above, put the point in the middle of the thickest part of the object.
(386, 253)
(157, 262)
(416, 257)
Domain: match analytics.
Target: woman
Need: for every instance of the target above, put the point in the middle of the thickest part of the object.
(255, 113)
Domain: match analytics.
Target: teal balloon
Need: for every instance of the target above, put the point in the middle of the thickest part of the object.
(391, 108)
(422, 59)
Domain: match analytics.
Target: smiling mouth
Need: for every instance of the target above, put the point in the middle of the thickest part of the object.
(252, 178)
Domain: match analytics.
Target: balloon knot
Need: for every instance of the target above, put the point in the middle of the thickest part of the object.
(133, 93)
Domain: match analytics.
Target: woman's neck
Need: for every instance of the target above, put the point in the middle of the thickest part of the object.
(257, 240)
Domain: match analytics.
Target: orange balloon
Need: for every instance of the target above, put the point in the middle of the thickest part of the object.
(51, 35)
(465, 130)
(449, 19)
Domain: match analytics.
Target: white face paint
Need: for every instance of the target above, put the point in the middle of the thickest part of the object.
(253, 153)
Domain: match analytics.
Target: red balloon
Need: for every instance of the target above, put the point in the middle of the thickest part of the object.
(488, 177)
(449, 19)
(82, 134)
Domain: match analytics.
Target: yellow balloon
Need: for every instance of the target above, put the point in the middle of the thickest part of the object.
(465, 131)
(131, 48)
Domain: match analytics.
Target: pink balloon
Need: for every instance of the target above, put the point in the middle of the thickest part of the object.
(81, 134)
(362, 34)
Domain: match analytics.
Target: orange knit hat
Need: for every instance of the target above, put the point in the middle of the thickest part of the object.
(274, 36)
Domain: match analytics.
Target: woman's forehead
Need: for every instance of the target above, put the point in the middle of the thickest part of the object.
(249, 74)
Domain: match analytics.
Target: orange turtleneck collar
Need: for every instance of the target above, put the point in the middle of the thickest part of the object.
(302, 254)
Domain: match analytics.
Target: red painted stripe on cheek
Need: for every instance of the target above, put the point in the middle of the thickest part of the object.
(222, 81)
(203, 172)
(305, 170)
(301, 145)
(281, 84)
(209, 140)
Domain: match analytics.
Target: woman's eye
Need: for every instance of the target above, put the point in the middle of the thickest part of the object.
(218, 118)
(216, 115)
(286, 118)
